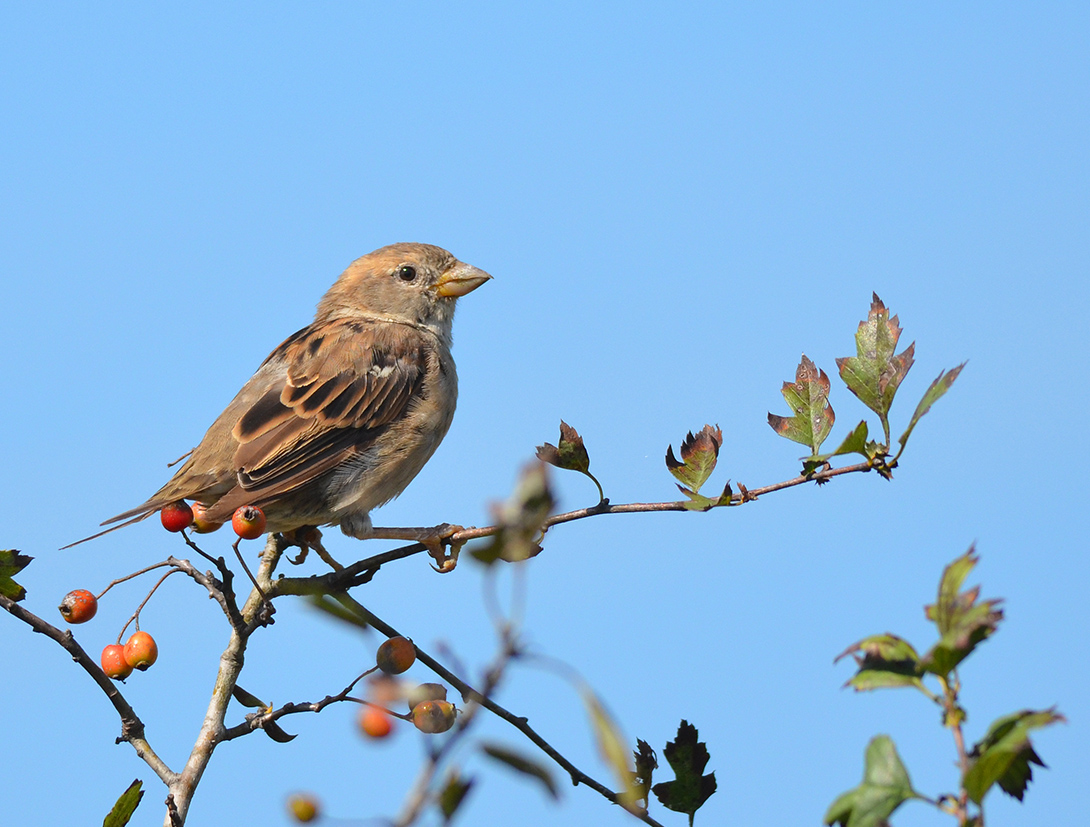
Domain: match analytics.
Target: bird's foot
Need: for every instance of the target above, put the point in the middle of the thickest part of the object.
(307, 538)
(433, 539)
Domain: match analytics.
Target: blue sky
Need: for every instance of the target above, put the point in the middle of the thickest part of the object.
(675, 204)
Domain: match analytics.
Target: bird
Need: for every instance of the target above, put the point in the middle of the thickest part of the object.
(343, 414)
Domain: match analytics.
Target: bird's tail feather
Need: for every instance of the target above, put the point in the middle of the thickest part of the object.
(141, 514)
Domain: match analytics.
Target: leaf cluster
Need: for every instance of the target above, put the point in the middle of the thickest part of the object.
(885, 661)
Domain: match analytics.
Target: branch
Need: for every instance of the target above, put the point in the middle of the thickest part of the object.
(217, 590)
(132, 728)
(363, 570)
(257, 720)
(252, 615)
(469, 694)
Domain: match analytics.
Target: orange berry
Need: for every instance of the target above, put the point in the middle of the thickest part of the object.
(248, 522)
(176, 516)
(375, 723)
(78, 606)
(303, 808)
(113, 662)
(396, 655)
(141, 651)
(201, 524)
(434, 716)
(425, 692)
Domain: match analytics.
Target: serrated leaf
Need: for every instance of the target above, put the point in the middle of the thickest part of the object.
(453, 794)
(699, 454)
(885, 662)
(875, 372)
(962, 622)
(611, 747)
(885, 787)
(522, 764)
(520, 520)
(125, 806)
(687, 756)
(646, 764)
(570, 454)
(12, 562)
(274, 731)
(247, 699)
(808, 398)
(1005, 753)
(937, 388)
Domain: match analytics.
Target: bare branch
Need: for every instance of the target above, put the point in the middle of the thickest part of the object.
(469, 694)
(132, 728)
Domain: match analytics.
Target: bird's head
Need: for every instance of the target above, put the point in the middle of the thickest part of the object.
(415, 284)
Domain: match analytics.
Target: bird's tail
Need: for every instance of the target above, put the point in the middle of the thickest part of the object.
(141, 513)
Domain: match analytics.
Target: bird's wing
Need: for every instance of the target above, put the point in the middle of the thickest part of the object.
(344, 382)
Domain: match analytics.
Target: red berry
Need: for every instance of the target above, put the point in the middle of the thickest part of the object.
(176, 516)
(248, 522)
(396, 655)
(113, 662)
(375, 723)
(201, 524)
(78, 606)
(141, 651)
(434, 716)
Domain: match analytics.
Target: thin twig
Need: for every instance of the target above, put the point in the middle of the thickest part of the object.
(127, 577)
(136, 615)
(469, 693)
(132, 728)
(362, 570)
(256, 721)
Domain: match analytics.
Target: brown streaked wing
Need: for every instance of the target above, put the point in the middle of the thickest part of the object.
(362, 380)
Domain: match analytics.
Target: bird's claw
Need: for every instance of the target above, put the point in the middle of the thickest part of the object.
(445, 560)
(307, 538)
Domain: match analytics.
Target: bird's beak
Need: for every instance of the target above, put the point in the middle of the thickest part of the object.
(459, 280)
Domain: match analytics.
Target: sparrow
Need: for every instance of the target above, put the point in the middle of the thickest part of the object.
(343, 414)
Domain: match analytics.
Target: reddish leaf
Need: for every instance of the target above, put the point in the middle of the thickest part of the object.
(698, 457)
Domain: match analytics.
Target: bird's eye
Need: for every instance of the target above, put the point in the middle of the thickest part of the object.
(406, 272)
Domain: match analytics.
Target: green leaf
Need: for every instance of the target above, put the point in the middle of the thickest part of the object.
(885, 787)
(1005, 753)
(885, 661)
(453, 794)
(123, 809)
(11, 563)
(940, 386)
(698, 502)
(521, 764)
(808, 397)
(962, 622)
(699, 454)
(687, 757)
(854, 443)
(520, 520)
(570, 454)
(875, 373)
